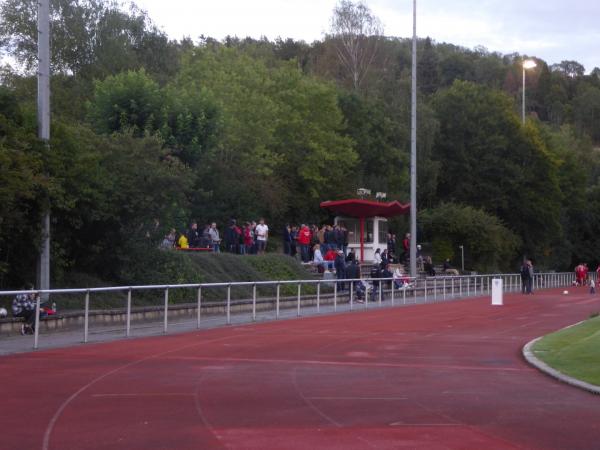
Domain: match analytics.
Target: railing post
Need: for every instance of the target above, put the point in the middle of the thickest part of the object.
(351, 295)
(444, 288)
(393, 286)
(425, 290)
(229, 304)
(199, 300)
(403, 294)
(415, 289)
(318, 296)
(435, 290)
(254, 302)
(452, 283)
(36, 332)
(460, 287)
(128, 318)
(277, 301)
(86, 317)
(468, 286)
(166, 325)
(335, 297)
(520, 284)
(380, 292)
(299, 294)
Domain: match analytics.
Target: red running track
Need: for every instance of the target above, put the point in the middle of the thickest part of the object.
(439, 376)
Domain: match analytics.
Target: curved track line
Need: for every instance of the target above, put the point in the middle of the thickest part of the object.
(203, 418)
(61, 408)
(309, 403)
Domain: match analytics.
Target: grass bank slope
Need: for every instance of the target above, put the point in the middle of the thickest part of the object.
(172, 267)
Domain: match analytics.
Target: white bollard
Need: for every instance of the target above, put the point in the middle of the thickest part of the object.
(497, 292)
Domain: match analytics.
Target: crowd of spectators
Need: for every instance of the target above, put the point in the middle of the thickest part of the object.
(303, 240)
(250, 238)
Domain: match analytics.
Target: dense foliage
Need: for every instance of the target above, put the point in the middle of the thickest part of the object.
(149, 133)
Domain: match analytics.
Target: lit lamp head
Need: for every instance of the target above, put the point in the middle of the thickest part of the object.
(529, 64)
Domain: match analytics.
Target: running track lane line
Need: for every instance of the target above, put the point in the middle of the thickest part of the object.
(352, 364)
(62, 407)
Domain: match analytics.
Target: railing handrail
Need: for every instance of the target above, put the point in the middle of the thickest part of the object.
(248, 283)
(514, 280)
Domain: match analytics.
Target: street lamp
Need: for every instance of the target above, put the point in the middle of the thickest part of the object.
(462, 257)
(527, 64)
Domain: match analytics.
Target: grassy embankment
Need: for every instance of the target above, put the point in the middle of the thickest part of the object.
(574, 351)
(171, 267)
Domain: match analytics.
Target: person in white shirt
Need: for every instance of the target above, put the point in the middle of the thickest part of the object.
(262, 234)
(377, 257)
(318, 258)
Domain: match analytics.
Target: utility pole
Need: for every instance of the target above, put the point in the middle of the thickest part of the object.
(413, 151)
(43, 118)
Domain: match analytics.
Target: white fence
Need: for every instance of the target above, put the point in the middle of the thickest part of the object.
(321, 293)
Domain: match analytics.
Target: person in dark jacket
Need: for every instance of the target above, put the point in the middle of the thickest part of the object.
(329, 238)
(205, 240)
(339, 238)
(287, 239)
(428, 266)
(193, 235)
(340, 269)
(527, 277)
(232, 237)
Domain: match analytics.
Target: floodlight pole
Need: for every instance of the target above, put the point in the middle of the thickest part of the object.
(413, 151)
(43, 117)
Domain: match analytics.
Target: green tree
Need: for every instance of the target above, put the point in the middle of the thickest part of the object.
(586, 111)
(110, 190)
(127, 101)
(21, 181)
(489, 244)
(491, 162)
(280, 141)
(93, 38)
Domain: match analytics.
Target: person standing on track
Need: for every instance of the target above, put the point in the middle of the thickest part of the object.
(524, 277)
(529, 290)
(579, 274)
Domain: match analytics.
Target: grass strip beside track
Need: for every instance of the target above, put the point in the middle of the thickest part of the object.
(574, 351)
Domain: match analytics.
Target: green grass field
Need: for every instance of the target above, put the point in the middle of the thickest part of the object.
(574, 351)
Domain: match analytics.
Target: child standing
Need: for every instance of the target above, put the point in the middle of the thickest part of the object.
(592, 286)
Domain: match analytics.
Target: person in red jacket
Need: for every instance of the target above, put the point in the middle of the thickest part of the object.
(406, 248)
(248, 238)
(304, 237)
(579, 274)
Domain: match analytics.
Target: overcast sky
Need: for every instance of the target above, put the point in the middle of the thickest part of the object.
(553, 30)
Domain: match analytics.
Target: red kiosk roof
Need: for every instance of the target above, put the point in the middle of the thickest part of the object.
(366, 208)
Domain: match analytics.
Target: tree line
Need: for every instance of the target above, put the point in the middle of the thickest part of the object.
(149, 133)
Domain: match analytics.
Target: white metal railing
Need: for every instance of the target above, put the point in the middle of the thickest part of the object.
(440, 288)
